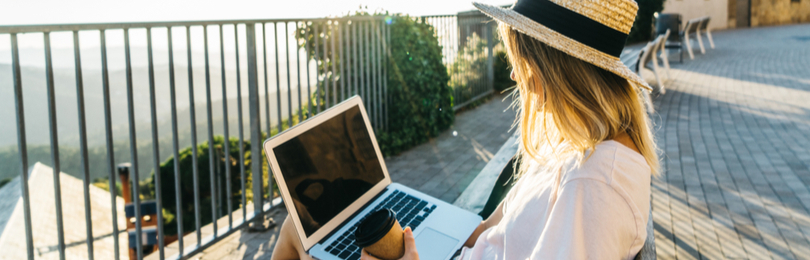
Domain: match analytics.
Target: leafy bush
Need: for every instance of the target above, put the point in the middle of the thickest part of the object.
(502, 69)
(642, 28)
(419, 101)
(204, 180)
(468, 66)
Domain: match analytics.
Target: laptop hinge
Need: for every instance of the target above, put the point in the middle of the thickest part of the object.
(352, 216)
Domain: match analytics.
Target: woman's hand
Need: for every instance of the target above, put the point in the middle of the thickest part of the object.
(410, 248)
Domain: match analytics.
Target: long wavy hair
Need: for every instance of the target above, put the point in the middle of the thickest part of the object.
(567, 106)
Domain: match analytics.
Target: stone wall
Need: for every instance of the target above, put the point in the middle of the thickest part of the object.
(691, 9)
(776, 12)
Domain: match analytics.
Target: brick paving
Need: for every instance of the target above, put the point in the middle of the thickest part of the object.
(445, 165)
(734, 129)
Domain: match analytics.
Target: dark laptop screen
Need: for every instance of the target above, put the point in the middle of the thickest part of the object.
(328, 167)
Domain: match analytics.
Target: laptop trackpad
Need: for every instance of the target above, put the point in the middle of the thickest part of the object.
(433, 244)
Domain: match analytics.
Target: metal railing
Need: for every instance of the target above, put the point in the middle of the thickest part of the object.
(330, 47)
(342, 57)
(467, 41)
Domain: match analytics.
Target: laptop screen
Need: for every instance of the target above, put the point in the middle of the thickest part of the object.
(328, 167)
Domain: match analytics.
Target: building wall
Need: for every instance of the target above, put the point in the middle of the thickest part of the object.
(691, 9)
(776, 12)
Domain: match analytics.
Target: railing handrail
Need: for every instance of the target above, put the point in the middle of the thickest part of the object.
(38, 28)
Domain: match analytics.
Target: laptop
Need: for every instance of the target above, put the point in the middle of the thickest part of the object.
(331, 174)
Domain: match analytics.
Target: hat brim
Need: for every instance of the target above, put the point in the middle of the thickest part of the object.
(562, 42)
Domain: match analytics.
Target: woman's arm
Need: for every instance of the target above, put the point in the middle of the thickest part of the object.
(493, 220)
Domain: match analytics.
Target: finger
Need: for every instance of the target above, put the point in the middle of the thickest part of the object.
(365, 256)
(410, 244)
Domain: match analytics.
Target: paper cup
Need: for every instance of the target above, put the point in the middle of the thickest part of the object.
(381, 235)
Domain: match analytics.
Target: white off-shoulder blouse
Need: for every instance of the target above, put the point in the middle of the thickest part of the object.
(598, 210)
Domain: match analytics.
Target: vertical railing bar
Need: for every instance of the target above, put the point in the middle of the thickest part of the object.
(448, 41)
(473, 57)
(366, 65)
(333, 78)
(372, 112)
(326, 74)
(155, 144)
(483, 55)
(22, 147)
(255, 125)
(341, 58)
(317, 68)
(54, 145)
(387, 58)
(361, 60)
(355, 77)
(133, 147)
(441, 24)
(345, 58)
(477, 57)
(227, 138)
(242, 176)
(448, 52)
(463, 70)
(459, 59)
(289, 87)
(378, 47)
(468, 41)
(379, 73)
(474, 54)
(451, 49)
(298, 73)
(309, 88)
(217, 174)
(105, 83)
(211, 155)
(83, 144)
(278, 79)
(175, 147)
(193, 115)
(266, 83)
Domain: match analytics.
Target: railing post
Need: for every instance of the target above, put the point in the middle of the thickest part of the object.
(21, 145)
(255, 125)
(490, 60)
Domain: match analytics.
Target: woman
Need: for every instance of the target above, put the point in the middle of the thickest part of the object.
(587, 151)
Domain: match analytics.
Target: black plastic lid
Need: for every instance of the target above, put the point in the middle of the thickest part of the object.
(374, 227)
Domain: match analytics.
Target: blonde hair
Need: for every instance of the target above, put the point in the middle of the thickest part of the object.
(567, 106)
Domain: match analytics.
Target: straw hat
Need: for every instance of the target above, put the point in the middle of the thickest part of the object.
(591, 30)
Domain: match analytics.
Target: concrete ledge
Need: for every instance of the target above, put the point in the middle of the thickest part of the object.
(475, 196)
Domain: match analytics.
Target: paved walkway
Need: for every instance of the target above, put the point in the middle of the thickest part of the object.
(445, 165)
(734, 127)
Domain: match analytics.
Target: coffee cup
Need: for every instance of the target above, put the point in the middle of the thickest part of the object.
(381, 235)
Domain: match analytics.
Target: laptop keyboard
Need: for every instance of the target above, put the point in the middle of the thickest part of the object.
(410, 210)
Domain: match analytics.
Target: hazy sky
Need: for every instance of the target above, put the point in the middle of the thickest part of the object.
(99, 11)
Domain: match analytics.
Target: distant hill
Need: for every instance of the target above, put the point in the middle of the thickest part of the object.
(36, 110)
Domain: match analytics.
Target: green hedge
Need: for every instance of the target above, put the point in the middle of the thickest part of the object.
(419, 102)
(204, 180)
(502, 69)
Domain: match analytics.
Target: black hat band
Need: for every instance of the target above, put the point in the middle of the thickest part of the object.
(573, 25)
